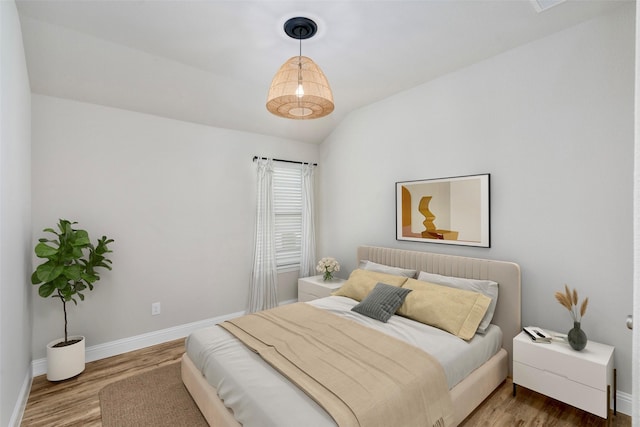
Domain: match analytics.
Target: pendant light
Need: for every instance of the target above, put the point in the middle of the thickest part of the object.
(299, 89)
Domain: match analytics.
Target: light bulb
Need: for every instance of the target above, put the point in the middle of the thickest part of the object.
(300, 91)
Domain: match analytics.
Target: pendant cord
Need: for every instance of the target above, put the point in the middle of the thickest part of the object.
(300, 61)
(299, 68)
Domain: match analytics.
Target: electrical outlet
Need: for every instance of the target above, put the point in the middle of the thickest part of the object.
(155, 308)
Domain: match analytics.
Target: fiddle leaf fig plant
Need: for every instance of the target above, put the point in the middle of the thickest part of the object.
(71, 265)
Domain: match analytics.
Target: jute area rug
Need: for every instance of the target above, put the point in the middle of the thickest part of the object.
(155, 398)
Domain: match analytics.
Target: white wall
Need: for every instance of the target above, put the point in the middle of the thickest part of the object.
(552, 122)
(178, 199)
(15, 218)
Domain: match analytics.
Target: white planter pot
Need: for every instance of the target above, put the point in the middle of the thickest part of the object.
(65, 362)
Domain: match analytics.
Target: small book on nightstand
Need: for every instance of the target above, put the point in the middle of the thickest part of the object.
(537, 334)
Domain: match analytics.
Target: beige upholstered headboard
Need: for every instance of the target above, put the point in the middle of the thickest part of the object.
(507, 274)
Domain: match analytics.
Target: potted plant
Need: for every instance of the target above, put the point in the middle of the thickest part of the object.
(70, 268)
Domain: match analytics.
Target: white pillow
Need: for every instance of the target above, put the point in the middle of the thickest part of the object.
(485, 287)
(381, 268)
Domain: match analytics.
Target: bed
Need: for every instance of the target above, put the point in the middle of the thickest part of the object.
(465, 393)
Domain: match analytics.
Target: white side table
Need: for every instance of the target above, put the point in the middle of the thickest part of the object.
(310, 288)
(584, 379)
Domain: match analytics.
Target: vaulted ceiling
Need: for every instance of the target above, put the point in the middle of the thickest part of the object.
(211, 62)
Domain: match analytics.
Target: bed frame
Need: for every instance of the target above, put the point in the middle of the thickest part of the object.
(467, 394)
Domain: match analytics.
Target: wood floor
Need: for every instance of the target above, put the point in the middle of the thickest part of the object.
(75, 402)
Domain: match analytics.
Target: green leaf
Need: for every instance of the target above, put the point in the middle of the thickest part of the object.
(43, 250)
(66, 292)
(81, 238)
(90, 278)
(104, 265)
(102, 247)
(62, 284)
(73, 272)
(34, 278)
(48, 272)
(76, 252)
(46, 289)
(65, 227)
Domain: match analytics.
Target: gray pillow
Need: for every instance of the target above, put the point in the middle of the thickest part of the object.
(382, 302)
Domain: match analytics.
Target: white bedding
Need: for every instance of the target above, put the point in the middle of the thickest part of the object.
(259, 396)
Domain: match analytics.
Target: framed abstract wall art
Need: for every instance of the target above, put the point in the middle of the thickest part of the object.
(453, 211)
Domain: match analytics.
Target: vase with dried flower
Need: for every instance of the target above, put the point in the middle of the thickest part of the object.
(569, 299)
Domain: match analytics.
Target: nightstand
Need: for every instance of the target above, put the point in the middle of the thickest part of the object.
(584, 379)
(310, 288)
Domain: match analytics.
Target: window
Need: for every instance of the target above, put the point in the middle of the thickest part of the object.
(287, 204)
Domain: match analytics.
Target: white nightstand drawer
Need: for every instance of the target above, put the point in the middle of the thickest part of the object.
(561, 388)
(310, 288)
(560, 359)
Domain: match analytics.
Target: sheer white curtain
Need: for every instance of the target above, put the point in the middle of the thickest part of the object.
(263, 290)
(308, 241)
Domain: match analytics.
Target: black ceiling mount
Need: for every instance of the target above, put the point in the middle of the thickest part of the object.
(300, 28)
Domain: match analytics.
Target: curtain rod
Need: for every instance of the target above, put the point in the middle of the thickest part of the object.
(284, 161)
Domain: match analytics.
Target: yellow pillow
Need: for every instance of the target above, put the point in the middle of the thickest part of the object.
(361, 282)
(456, 311)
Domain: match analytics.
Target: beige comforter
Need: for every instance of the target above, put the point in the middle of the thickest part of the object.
(360, 376)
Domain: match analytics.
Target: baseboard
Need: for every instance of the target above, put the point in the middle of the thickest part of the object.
(113, 348)
(624, 403)
(21, 404)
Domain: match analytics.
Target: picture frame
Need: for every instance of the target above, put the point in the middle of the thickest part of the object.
(451, 211)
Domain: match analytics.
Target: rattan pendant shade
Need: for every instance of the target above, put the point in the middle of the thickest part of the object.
(317, 100)
(300, 90)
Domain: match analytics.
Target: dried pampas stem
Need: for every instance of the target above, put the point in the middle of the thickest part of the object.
(569, 300)
(583, 308)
